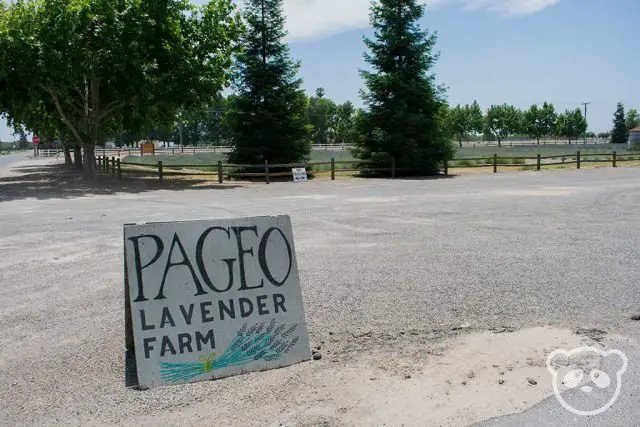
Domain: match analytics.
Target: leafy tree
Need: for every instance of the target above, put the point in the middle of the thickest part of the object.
(502, 121)
(344, 123)
(105, 64)
(465, 120)
(321, 116)
(476, 119)
(633, 119)
(620, 130)
(571, 124)
(539, 122)
(23, 142)
(405, 109)
(268, 117)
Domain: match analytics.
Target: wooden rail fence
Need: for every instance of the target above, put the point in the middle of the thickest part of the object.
(116, 167)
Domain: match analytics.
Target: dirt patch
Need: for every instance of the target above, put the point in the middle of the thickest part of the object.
(419, 379)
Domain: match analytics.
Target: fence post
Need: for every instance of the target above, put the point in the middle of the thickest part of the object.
(539, 161)
(219, 171)
(194, 149)
(113, 165)
(615, 159)
(578, 159)
(446, 167)
(160, 170)
(393, 167)
(333, 169)
(119, 169)
(129, 150)
(495, 163)
(106, 164)
(98, 163)
(173, 151)
(266, 171)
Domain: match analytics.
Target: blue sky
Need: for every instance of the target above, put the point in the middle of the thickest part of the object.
(516, 51)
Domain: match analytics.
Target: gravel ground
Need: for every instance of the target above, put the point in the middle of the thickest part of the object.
(377, 259)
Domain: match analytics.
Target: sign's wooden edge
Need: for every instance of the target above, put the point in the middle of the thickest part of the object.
(200, 221)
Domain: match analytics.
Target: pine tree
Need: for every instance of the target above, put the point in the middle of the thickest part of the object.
(268, 115)
(406, 109)
(619, 132)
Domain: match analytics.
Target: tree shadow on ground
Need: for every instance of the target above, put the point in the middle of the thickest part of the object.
(425, 178)
(59, 182)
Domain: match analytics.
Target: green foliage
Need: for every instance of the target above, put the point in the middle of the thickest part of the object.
(268, 117)
(405, 117)
(620, 131)
(571, 124)
(321, 112)
(503, 121)
(464, 120)
(633, 119)
(539, 122)
(344, 123)
(96, 67)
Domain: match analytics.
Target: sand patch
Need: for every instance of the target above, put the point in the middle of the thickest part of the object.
(454, 382)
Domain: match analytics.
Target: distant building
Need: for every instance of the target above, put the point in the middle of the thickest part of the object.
(634, 136)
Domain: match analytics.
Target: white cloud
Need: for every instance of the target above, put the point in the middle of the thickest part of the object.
(510, 7)
(312, 19)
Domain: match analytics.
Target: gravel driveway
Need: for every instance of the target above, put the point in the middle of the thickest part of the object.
(377, 259)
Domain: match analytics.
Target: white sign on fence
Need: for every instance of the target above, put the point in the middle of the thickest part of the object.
(210, 299)
(299, 174)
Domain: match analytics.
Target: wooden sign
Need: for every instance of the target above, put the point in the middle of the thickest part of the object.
(210, 299)
(147, 148)
(299, 174)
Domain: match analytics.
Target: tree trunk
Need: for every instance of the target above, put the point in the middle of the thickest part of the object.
(68, 161)
(77, 156)
(499, 143)
(89, 162)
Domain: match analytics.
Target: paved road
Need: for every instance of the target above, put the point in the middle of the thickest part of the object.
(530, 249)
(624, 412)
(6, 160)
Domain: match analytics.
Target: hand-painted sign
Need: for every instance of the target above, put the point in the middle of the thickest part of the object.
(210, 299)
(299, 174)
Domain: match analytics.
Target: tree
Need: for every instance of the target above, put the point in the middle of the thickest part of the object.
(465, 120)
(458, 123)
(571, 124)
(539, 122)
(476, 119)
(632, 120)
(268, 117)
(321, 116)
(620, 130)
(502, 121)
(344, 123)
(105, 64)
(405, 117)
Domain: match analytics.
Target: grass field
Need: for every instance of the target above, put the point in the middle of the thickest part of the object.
(507, 155)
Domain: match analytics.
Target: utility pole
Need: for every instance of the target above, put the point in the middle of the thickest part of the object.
(585, 119)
